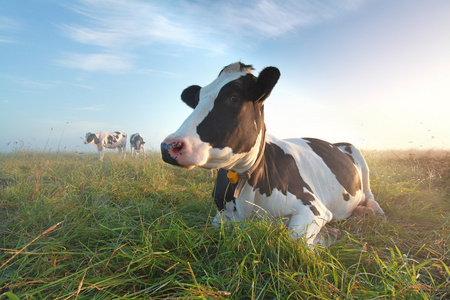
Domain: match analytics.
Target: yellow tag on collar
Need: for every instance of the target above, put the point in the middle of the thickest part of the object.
(232, 176)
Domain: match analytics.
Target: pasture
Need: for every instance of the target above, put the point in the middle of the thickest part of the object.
(73, 227)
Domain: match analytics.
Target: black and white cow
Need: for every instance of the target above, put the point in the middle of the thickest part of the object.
(102, 140)
(306, 182)
(137, 144)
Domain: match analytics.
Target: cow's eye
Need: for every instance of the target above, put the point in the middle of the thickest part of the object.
(234, 99)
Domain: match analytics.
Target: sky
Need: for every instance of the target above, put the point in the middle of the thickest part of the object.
(373, 73)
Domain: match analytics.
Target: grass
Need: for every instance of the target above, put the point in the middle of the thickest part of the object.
(74, 228)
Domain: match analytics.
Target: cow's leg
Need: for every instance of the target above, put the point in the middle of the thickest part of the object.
(228, 214)
(327, 236)
(220, 218)
(223, 194)
(374, 206)
(368, 203)
(308, 222)
(133, 152)
(369, 206)
(121, 151)
(101, 152)
(305, 226)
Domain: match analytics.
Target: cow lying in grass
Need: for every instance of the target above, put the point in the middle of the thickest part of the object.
(306, 182)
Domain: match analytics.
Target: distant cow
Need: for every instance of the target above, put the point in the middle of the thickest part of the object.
(112, 140)
(304, 182)
(137, 144)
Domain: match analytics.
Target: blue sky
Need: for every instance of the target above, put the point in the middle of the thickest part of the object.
(374, 73)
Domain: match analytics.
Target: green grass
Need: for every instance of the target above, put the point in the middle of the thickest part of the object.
(72, 227)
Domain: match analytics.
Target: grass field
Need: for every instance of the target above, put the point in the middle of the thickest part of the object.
(74, 228)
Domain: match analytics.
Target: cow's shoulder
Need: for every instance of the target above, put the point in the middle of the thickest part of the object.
(279, 171)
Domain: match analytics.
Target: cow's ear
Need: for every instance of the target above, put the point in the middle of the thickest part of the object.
(266, 81)
(190, 95)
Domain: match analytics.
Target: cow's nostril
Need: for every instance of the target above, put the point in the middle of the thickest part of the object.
(177, 148)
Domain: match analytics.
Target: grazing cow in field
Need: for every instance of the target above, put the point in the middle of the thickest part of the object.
(137, 144)
(102, 140)
(306, 182)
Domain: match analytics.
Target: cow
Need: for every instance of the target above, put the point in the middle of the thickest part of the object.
(305, 182)
(112, 140)
(137, 144)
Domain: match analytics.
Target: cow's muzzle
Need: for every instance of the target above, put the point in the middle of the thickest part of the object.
(171, 151)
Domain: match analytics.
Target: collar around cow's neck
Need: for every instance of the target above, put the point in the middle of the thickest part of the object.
(242, 178)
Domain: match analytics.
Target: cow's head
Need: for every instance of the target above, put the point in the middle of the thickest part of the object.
(139, 145)
(226, 128)
(91, 138)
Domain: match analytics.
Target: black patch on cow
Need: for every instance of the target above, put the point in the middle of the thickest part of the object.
(278, 170)
(190, 95)
(166, 154)
(93, 137)
(223, 190)
(237, 108)
(340, 164)
(90, 138)
(231, 122)
(112, 139)
(135, 138)
(314, 210)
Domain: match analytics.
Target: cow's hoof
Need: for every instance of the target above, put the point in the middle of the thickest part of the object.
(327, 236)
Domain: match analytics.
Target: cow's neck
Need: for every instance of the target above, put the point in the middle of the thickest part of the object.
(241, 178)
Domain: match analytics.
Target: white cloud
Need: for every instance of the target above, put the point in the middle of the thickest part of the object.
(121, 26)
(8, 24)
(262, 19)
(90, 108)
(96, 37)
(27, 83)
(118, 24)
(96, 62)
(192, 24)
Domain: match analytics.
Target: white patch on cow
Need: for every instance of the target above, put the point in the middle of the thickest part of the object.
(226, 159)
